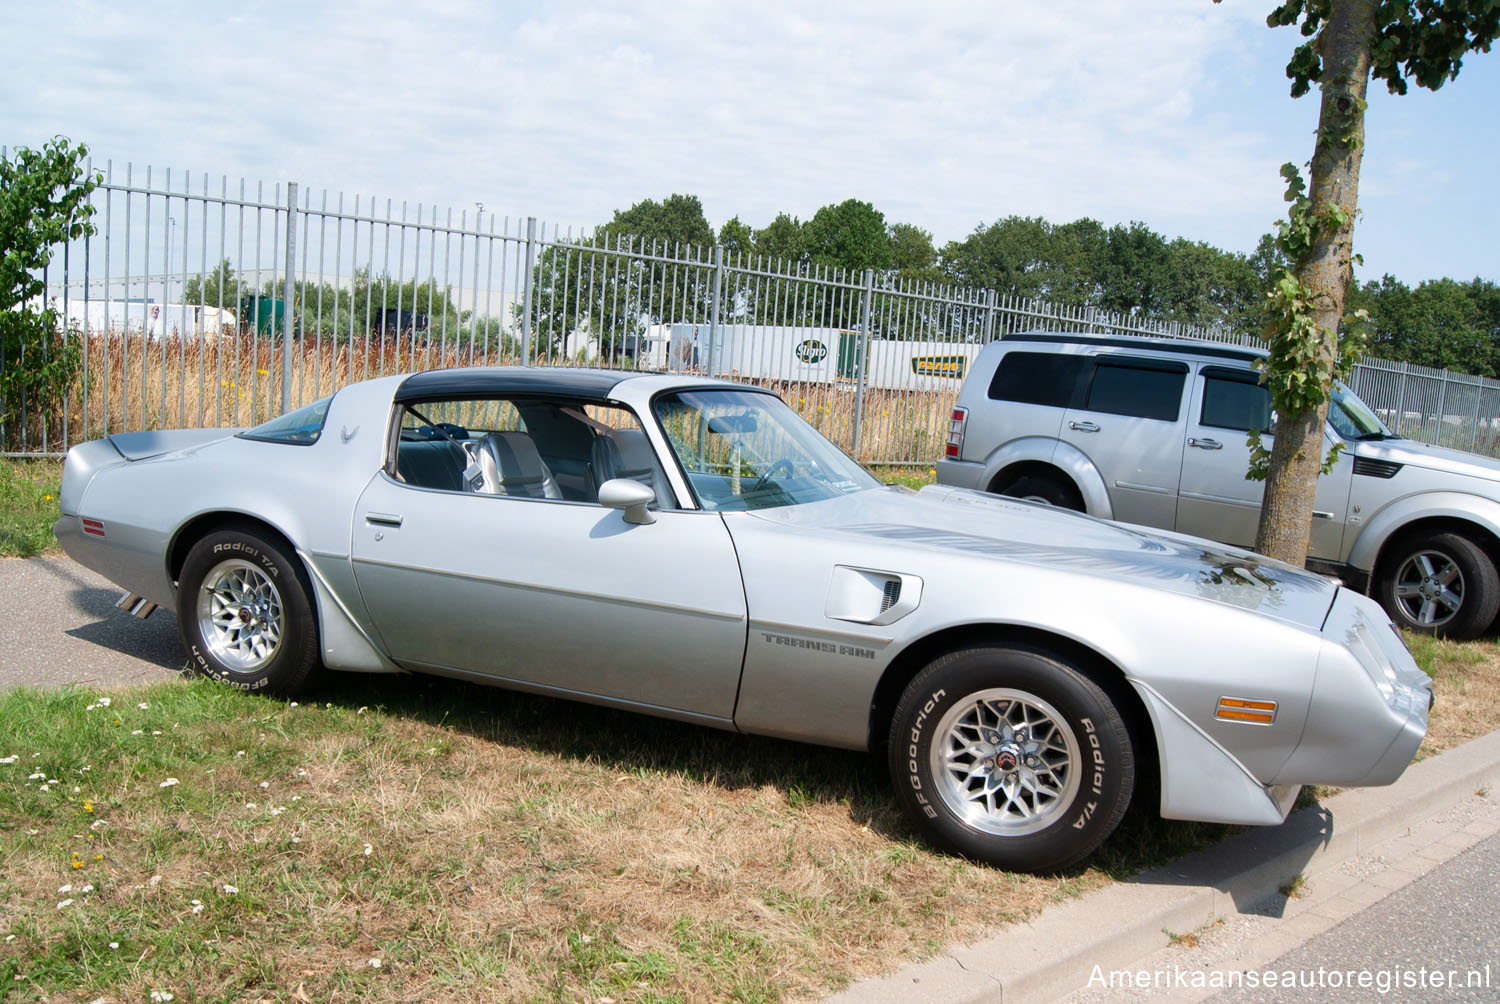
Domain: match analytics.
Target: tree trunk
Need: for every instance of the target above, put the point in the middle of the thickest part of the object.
(1297, 454)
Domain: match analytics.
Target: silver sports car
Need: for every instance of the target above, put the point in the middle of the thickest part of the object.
(691, 548)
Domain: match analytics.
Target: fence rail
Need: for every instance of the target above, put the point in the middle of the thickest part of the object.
(201, 304)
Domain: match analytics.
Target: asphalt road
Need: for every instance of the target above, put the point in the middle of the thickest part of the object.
(1422, 943)
(59, 625)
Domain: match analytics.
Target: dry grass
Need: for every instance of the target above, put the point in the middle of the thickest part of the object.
(519, 849)
(1466, 678)
(130, 384)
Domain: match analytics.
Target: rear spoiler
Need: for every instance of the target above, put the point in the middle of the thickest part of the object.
(155, 442)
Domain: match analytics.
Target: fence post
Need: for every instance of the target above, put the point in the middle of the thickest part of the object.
(989, 316)
(713, 310)
(288, 292)
(527, 294)
(1401, 401)
(862, 354)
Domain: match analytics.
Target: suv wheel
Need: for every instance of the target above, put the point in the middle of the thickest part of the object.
(1440, 583)
(1048, 490)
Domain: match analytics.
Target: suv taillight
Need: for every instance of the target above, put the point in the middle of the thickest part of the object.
(956, 433)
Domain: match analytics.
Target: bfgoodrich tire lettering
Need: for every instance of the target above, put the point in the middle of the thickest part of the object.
(1010, 756)
(1440, 583)
(244, 612)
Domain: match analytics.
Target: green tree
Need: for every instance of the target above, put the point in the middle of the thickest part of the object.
(1348, 42)
(912, 255)
(850, 235)
(43, 203)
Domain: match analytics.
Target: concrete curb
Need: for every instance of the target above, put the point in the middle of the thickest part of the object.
(1054, 954)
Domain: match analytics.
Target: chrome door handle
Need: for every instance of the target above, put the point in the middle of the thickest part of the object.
(1083, 426)
(1206, 444)
(383, 518)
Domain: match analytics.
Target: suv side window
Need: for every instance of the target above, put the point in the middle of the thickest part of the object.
(1046, 378)
(1234, 401)
(1137, 388)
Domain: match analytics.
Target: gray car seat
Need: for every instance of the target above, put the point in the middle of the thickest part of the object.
(518, 469)
(625, 453)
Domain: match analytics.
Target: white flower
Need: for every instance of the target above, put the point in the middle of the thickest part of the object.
(169, 783)
(143, 705)
(66, 902)
(230, 890)
(374, 963)
(369, 850)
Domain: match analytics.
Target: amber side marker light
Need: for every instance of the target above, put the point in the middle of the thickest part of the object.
(1237, 709)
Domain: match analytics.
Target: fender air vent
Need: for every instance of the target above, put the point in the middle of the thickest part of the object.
(891, 594)
(1385, 469)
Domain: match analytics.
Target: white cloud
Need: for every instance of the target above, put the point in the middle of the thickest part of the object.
(946, 115)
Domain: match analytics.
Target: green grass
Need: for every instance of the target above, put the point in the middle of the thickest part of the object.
(483, 845)
(28, 505)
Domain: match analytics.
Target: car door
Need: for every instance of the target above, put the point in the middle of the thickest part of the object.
(561, 595)
(1215, 499)
(1128, 421)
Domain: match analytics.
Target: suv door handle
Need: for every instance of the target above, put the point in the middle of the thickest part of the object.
(1206, 444)
(1083, 426)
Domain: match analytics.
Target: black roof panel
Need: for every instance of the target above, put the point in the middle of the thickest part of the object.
(484, 381)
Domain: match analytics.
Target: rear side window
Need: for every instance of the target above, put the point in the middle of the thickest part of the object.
(1138, 390)
(1238, 404)
(1037, 378)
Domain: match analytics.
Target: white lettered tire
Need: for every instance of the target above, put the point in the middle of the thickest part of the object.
(1009, 755)
(245, 616)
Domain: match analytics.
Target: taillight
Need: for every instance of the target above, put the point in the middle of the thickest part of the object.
(956, 433)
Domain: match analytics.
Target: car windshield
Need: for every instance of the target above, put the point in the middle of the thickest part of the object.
(1353, 419)
(746, 450)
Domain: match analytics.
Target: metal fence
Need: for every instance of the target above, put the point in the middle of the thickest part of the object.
(201, 304)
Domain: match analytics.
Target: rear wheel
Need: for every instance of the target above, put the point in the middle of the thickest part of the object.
(1010, 756)
(1043, 488)
(244, 612)
(1440, 583)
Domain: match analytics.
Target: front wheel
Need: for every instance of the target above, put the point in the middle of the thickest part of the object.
(1010, 756)
(1440, 583)
(244, 612)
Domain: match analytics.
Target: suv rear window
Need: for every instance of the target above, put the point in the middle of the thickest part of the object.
(1140, 390)
(1037, 378)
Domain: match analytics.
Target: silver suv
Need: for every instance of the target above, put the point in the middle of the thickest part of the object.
(1154, 432)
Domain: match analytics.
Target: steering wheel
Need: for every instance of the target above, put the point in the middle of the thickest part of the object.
(781, 464)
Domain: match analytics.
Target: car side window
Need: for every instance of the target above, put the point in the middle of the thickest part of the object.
(1046, 378)
(1236, 403)
(525, 447)
(1137, 389)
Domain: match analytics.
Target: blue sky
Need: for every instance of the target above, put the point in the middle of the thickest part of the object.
(946, 115)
